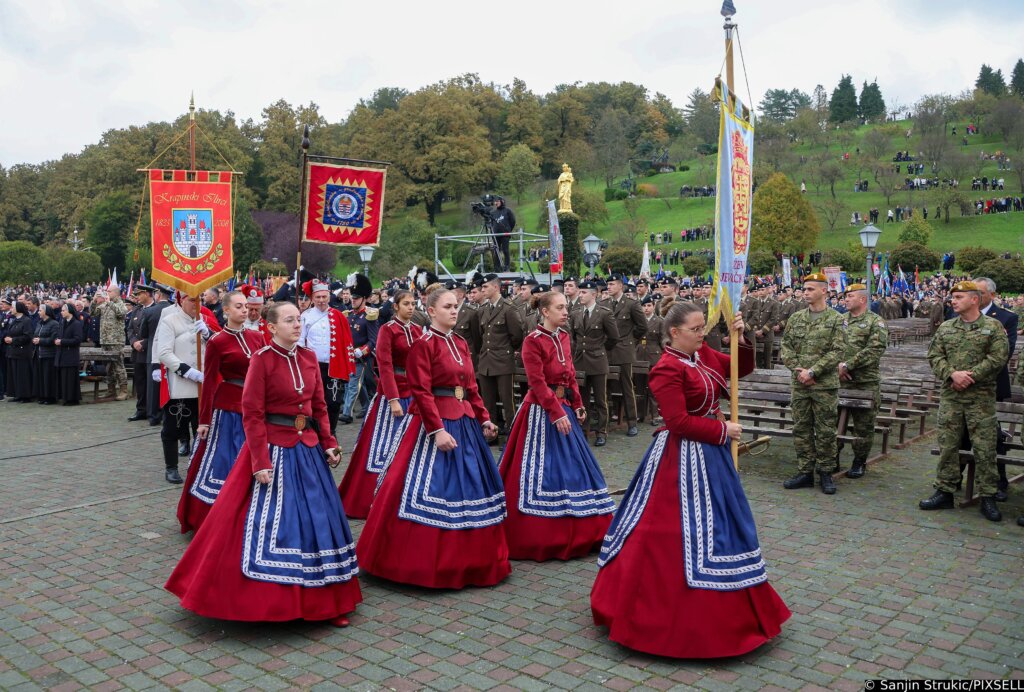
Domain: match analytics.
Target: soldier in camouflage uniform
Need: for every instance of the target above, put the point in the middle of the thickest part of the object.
(966, 354)
(866, 341)
(111, 311)
(812, 346)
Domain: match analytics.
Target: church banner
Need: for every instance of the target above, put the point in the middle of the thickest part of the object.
(191, 222)
(344, 204)
(733, 203)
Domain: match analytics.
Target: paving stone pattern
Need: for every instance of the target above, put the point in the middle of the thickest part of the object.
(878, 588)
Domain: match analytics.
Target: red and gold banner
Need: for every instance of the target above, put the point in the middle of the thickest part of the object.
(191, 221)
(344, 204)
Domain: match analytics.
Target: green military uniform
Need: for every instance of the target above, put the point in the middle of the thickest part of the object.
(982, 348)
(866, 341)
(815, 341)
(112, 337)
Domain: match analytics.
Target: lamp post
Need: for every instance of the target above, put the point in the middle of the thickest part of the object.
(591, 246)
(868, 240)
(365, 255)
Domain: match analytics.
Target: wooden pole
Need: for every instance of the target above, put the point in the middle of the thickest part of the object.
(302, 210)
(734, 336)
(192, 168)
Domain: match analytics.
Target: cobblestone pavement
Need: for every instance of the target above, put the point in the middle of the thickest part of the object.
(877, 588)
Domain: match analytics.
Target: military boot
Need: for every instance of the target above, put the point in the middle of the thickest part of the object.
(800, 480)
(940, 499)
(121, 395)
(828, 486)
(857, 470)
(989, 509)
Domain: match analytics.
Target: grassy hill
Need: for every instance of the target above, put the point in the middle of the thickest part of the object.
(667, 212)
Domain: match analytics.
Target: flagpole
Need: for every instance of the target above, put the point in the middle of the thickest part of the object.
(734, 336)
(192, 169)
(302, 210)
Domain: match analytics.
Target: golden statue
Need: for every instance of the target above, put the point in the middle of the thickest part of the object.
(565, 182)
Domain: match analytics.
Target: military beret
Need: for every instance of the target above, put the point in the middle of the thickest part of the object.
(589, 285)
(530, 282)
(669, 281)
(964, 286)
(491, 277)
(571, 278)
(616, 277)
(647, 300)
(856, 287)
(540, 288)
(643, 282)
(601, 284)
(816, 276)
(558, 282)
(451, 285)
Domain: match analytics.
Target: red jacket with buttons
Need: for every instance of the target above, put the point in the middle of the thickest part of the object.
(547, 359)
(271, 387)
(225, 359)
(394, 341)
(439, 360)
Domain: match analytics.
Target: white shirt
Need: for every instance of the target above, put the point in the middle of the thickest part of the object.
(316, 333)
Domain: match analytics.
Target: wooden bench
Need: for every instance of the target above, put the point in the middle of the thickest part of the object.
(96, 354)
(1011, 417)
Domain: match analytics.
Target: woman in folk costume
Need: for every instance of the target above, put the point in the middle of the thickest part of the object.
(557, 498)
(436, 518)
(220, 434)
(386, 421)
(276, 545)
(695, 588)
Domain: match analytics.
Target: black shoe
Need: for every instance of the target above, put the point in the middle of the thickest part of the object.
(345, 419)
(172, 476)
(183, 449)
(939, 500)
(858, 469)
(600, 441)
(1001, 496)
(989, 510)
(137, 416)
(1020, 521)
(828, 486)
(800, 480)
(153, 422)
(632, 431)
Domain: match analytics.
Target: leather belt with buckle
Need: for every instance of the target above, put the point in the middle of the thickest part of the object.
(559, 390)
(237, 383)
(457, 392)
(299, 422)
(399, 371)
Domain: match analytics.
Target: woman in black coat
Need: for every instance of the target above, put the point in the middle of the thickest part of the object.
(47, 332)
(67, 359)
(19, 355)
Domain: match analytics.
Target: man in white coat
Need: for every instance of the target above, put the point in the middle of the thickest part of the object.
(175, 350)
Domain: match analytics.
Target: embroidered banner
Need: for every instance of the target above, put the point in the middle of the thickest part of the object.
(732, 206)
(191, 228)
(344, 204)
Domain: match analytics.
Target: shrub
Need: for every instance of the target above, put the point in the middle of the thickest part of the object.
(651, 172)
(845, 259)
(21, 262)
(909, 255)
(73, 267)
(268, 268)
(762, 262)
(621, 195)
(647, 190)
(916, 230)
(1007, 273)
(622, 259)
(683, 167)
(695, 266)
(969, 258)
(572, 248)
(609, 194)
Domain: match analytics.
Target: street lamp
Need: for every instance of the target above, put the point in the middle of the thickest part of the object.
(591, 246)
(868, 240)
(366, 254)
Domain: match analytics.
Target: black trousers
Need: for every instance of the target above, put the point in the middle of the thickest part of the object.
(140, 381)
(152, 393)
(504, 257)
(334, 396)
(181, 416)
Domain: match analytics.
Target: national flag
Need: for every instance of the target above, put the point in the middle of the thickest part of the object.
(917, 278)
(344, 204)
(661, 272)
(142, 276)
(113, 280)
(554, 240)
(645, 263)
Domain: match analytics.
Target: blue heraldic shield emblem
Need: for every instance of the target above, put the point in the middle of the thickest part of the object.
(193, 232)
(344, 206)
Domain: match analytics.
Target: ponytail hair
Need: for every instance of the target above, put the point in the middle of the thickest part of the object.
(676, 312)
(543, 301)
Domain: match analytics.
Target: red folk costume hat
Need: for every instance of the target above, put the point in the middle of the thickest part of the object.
(253, 295)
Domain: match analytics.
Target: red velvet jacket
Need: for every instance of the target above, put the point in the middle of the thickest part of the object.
(226, 359)
(394, 340)
(688, 388)
(547, 358)
(270, 387)
(442, 360)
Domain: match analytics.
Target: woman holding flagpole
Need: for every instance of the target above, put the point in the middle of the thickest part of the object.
(436, 518)
(695, 588)
(386, 421)
(220, 434)
(556, 496)
(276, 545)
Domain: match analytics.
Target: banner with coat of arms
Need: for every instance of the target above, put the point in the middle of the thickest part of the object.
(733, 205)
(191, 221)
(344, 204)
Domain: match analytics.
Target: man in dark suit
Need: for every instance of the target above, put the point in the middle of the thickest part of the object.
(150, 320)
(632, 326)
(594, 336)
(140, 367)
(1009, 321)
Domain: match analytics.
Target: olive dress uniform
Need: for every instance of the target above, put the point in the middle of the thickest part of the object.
(594, 336)
(501, 333)
(648, 349)
(632, 326)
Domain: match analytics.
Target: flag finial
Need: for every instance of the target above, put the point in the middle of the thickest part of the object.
(728, 9)
(192, 106)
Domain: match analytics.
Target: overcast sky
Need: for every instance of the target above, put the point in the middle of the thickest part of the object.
(72, 69)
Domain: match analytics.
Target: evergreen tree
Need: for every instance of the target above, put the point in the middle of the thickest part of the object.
(991, 81)
(843, 106)
(108, 222)
(872, 105)
(1017, 79)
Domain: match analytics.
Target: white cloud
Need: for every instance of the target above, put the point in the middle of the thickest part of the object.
(70, 71)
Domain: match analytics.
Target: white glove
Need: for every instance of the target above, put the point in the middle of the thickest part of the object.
(194, 375)
(358, 353)
(200, 327)
(156, 375)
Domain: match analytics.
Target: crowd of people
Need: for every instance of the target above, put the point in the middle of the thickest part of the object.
(252, 388)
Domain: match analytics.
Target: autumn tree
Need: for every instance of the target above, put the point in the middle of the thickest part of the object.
(610, 146)
(518, 169)
(783, 221)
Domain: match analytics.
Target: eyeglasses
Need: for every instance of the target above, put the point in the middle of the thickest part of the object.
(693, 330)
